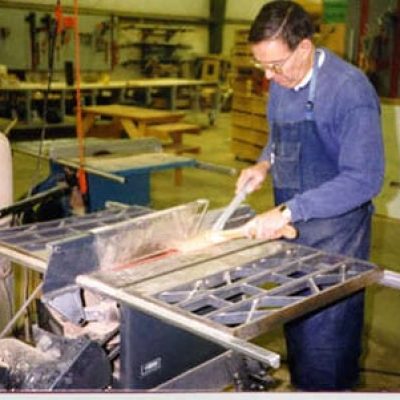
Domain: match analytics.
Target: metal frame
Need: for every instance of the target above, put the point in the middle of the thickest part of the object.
(272, 290)
(226, 293)
(226, 302)
(29, 244)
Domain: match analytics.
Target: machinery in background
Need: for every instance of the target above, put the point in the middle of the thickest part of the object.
(116, 169)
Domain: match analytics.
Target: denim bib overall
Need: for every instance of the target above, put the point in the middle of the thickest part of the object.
(323, 346)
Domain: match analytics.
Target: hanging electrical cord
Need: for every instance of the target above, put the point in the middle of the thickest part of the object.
(52, 35)
(35, 176)
(81, 175)
(28, 277)
(54, 27)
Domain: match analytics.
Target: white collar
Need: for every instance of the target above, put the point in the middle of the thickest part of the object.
(307, 78)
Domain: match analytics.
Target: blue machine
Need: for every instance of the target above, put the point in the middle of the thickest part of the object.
(116, 169)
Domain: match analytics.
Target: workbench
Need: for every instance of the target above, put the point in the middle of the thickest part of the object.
(27, 93)
(172, 85)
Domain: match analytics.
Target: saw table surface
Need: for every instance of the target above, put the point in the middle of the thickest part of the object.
(234, 291)
(226, 293)
(29, 244)
(147, 162)
(114, 155)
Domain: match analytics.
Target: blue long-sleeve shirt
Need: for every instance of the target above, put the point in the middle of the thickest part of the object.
(347, 114)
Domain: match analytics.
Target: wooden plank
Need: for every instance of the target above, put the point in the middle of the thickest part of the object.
(130, 128)
(149, 161)
(242, 48)
(250, 121)
(244, 86)
(104, 131)
(177, 127)
(168, 82)
(135, 113)
(250, 104)
(241, 36)
(245, 151)
(133, 120)
(390, 101)
(333, 37)
(243, 61)
(57, 86)
(249, 136)
(87, 123)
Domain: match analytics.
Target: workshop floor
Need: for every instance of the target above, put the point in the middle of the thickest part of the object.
(380, 361)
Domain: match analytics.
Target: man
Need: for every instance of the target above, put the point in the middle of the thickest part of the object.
(325, 154)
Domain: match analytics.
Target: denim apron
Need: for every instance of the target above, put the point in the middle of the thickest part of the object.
(323, 346)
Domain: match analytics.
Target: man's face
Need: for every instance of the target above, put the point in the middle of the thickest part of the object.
(284, 66)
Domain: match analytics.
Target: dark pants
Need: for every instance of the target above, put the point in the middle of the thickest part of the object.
(324, 346)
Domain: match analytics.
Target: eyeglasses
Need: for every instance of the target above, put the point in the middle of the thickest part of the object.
(275, 67)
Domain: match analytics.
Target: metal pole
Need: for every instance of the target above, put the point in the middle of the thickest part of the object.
(19, 313)
(390, 279)
(94, 171)
(395, 68)
(221, 169)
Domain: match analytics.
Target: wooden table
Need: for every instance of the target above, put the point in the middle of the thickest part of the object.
(134, 120)
(195, 86)
(28, 93)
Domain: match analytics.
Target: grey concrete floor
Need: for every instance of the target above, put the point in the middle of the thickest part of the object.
(381, 355)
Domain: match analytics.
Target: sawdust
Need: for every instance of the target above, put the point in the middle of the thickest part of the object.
(209, 238)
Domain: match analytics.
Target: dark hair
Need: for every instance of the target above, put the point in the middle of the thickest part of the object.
(282, 19)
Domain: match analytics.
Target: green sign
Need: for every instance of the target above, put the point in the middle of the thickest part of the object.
(335, 11)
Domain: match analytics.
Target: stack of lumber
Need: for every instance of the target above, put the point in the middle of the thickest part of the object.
(249, 132)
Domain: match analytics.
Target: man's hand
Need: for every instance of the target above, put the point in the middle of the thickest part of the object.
(253, 177)
(270, 225)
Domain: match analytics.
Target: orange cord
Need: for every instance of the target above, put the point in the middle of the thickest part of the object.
(79, 125)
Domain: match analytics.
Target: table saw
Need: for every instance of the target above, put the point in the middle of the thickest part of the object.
(117, 169)
(146, 316)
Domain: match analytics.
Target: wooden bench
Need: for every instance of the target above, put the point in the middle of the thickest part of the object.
(171, 135)
(131, 119)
